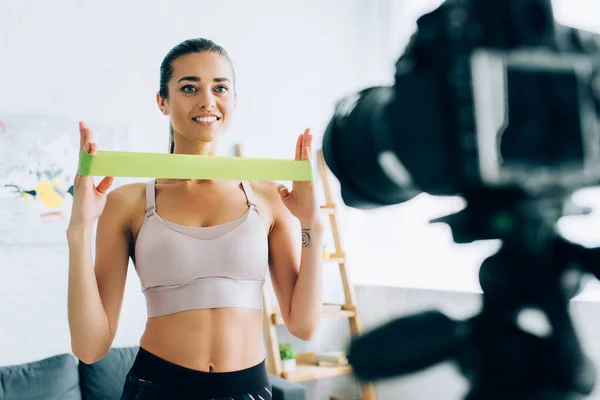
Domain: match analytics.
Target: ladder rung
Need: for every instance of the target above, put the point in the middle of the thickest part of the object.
(328, 208)
(277, 319)
(338, 313)
(339, 257)
(348, 307)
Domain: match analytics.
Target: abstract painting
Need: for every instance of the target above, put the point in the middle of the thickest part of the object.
(38, 161)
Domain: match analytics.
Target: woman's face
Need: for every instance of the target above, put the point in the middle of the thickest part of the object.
(201, 99)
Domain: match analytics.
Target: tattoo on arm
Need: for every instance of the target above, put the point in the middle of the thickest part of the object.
(306, 241)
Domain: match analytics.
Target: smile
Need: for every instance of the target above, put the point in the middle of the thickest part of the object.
(205, 120)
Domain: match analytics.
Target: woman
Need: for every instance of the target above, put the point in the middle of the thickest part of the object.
(201, 249)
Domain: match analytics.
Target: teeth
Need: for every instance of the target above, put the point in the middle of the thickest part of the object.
(205, 119)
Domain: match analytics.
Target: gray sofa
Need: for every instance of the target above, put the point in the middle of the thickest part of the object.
(63, 377)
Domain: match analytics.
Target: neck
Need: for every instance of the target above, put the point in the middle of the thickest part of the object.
(183, 146)
(186, 146)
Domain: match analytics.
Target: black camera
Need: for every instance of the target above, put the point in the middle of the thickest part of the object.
(494, 101)
(488, 94)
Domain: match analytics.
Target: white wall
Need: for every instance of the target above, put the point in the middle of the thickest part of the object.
(99, 61)
(582, 14)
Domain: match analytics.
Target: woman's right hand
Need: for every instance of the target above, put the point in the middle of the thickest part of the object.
(88, 199)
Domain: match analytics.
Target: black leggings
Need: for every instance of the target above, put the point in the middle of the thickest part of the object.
(152, 377)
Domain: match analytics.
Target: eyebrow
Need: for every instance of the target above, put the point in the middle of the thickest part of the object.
(197, 79)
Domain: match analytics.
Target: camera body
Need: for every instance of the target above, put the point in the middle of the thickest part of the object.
(487, 95)
(495, 101)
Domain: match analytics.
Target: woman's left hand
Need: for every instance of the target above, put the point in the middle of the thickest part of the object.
(301, 200)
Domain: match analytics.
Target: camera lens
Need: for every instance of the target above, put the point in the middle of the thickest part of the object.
(357, 148)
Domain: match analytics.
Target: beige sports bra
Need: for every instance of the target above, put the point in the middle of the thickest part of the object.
(185, 268)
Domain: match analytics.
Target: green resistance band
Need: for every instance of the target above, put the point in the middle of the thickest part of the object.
(184, 166)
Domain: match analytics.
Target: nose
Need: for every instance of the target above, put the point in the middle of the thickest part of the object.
(206, 99)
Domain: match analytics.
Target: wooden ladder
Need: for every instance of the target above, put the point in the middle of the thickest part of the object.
(306, 366)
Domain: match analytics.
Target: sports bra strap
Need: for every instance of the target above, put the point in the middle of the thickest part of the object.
(150, 197)
(249, 194)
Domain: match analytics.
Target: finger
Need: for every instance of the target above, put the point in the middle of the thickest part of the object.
(105, 184)
(93, 148)
(88, 141)
(89, 137)
(283, 191)
(81, 134)
(81, 143)
(303, 140)
(298, 148)
(306, 155)
(308, 143)
(85, 139)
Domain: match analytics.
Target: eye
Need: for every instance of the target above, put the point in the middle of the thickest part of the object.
(188, 89)
(222, 89)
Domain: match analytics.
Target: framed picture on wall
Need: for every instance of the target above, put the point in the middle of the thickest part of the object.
(38, 161)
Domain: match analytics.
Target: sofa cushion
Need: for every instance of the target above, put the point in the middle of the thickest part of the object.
(53, 378)
(104, 379)
(286, 390)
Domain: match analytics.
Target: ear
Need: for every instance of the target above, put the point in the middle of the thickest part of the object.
(162, 104)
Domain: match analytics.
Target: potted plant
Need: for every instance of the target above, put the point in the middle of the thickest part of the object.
(288, 357)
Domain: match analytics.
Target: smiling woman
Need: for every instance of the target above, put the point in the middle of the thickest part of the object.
(201, 249)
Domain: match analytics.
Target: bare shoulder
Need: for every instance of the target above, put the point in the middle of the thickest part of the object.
(127, 195)
(266, 190)
(268, 193)
(126, 200)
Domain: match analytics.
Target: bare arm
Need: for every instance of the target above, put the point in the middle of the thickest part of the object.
(297, 278)
(96, 291)
(296, 268)
(307, 298)
(95, 294)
